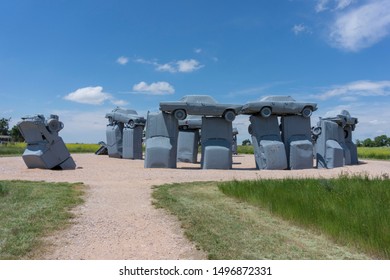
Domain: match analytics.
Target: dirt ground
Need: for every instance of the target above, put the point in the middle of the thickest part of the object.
(118, 221)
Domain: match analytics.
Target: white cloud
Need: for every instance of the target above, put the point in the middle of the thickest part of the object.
(357, 88)
(342, 4)
(198, 50)
(299, 28)
(361, 27)
(183, 66)
(89, 95)
(187, 66)
(119, 102)
(92, 96)
(168, 67)
(158, 88)
(122, 60)
(323, 5)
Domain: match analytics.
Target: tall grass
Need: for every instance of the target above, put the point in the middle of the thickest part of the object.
(226, 228)
(82, 148)
(31, 210)
(15, 149)
(363, 152)
(352, 210)
(7, 149)
(374, 152)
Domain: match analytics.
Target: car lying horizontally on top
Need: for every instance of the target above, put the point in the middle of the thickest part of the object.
(202, 105)
(126, 116)
(279, 105)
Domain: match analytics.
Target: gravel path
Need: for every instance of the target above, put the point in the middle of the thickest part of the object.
(118, 221)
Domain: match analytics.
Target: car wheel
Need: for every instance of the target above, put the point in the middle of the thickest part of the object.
(316, 130)
(180, 114)
(306, 112)
(54, 125)
(265, 112)
(131, 124)
(229, 115)
(250, 129)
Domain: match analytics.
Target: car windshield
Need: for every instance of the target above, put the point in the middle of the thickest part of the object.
(127, 111)
(277, 98)
(198, 99)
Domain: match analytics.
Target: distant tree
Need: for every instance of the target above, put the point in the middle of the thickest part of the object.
(16, 135)
(246, 142)
(4, 126)
(368, 143)
(381, 141)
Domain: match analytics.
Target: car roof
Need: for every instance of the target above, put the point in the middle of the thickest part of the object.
(126, 111)
(277, 98)
(198, 99)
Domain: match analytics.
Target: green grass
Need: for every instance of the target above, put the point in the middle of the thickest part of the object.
(227, 228)
(82, 148)
(11, 149)
(245, 149)
(32, 210)
(353, 211)
(382, 153)
(374, 152)
(15, 149)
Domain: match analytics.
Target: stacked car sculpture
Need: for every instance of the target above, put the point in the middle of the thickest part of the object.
(280, 127)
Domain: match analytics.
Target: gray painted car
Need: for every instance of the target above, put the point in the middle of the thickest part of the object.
(344, 119)
(201, 105)
(126, 116)
(278, 105)
(191, 122)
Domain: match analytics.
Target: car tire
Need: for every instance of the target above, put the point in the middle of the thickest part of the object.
(180, 114)
(229, 115)
(306, 112)
(265, 112)
(250, 129)
(316, 130)
(54, 125)
(131, 124)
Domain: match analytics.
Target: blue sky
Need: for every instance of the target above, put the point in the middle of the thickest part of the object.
(81, 59)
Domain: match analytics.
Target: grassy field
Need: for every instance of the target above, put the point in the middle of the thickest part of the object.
(284, 219)
(352, 210)
(31, 210)
(382, 153)
(374, 152)
(12, 149)
(245, 149)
